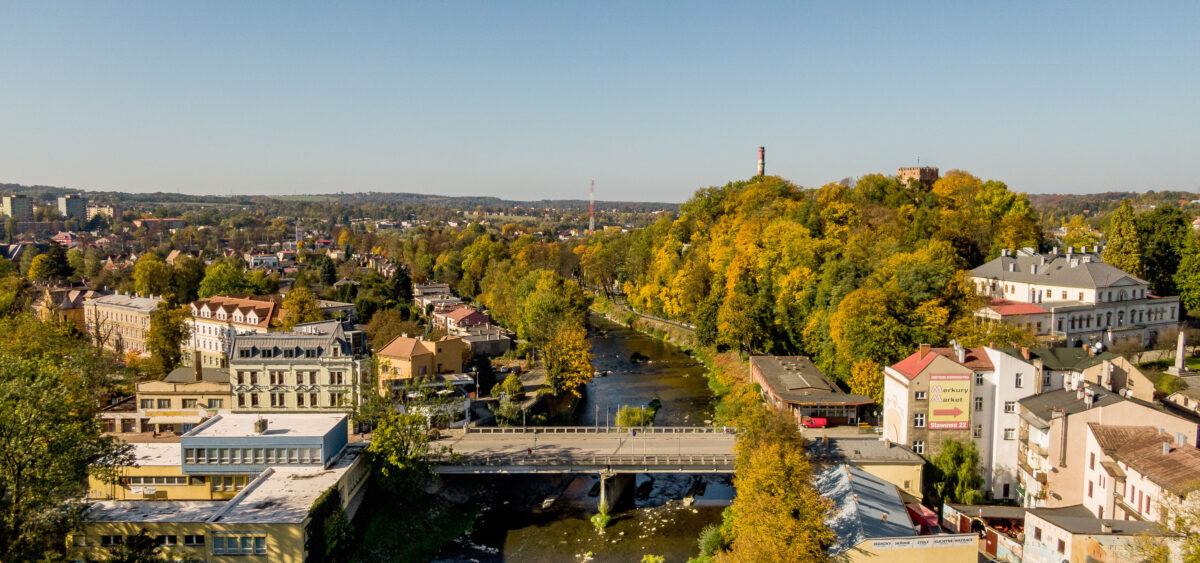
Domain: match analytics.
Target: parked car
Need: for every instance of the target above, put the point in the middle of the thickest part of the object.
(813, 422)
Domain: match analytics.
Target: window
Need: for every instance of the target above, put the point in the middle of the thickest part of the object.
(289, 353)
(166, 540)
(276, 377)
(277, 400)
(1062, 546)
(918, 446)
(193, 540)
(228, 483)
(312, 400)
(1045, 381)
(268, 353)
(189, 403)
(244, 353)
(1020, 381)
(189, 455)
(312, 379)
(241, 399)
(919, 395)
(1092, 460)
(299, 399)
(1037, 534)
(1010, 406)
(978, 404)
(335, 399)
(978, 379)
(156, 480)
(1064, 294)
(164, 403)
(919, 420)
(336, 378)
(978, 431)
(254, 399)
(216, 403)
(241, 378)
(310, 353)
(1010, 433)
(109, 541)
(147, 403)
(254, 378)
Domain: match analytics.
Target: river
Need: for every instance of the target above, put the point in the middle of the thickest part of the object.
(655, 519)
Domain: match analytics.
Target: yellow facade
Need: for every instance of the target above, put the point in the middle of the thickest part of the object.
(166, 482)
(940, 548)
(905, 476)
(280, 542)
(419, 358)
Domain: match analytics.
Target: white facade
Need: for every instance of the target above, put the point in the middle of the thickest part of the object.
(1013, 379)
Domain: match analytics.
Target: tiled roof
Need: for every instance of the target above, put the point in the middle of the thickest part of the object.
(404, 347)
(1141, 449)
(1004, 307)
(976, 359)
(1078, 270)
(266, 307)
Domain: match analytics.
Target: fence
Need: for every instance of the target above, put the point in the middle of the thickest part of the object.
(631, 460)
(601, 430)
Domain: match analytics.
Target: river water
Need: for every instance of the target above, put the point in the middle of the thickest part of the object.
(515, 525)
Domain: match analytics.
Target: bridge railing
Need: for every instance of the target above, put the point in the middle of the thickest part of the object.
(602, 430)
(588, 460)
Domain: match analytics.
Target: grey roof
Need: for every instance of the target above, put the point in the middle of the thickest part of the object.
(1079, 520)
(861, 450)
(186, 374)
(125, 300)
(279, 341)
(1062, 358)
(1085, 270)
(990, 511)
(1043, 405)
(861, 502)
(796, 380)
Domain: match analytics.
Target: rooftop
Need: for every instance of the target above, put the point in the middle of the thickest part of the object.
(242, 425)
(125, 300)
(864, 507)
(1045, 404)
(796, 380)
(1141, 449)
(1079, 520)
(974, 358)
(187, 374)
(287, 494)
(153, 453)
(861, 450)
(153, 510)
(1004, 307)
(1062, 358)
(1080, 269)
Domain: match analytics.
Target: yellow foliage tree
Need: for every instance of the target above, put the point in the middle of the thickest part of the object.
(567, 358)
(866, 379)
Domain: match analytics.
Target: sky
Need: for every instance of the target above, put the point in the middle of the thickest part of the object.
(651, 100)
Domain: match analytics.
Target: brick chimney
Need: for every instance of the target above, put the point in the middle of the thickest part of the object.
(1025, 353)
(922, 350)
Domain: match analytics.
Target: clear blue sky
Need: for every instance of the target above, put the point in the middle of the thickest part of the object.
(653, 100)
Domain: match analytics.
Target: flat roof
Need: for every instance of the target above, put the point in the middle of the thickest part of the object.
(861, 450)
(153, 510)
(291, 425)
(1079, 520)
(157, 453)
(288, 493)
(186, 374)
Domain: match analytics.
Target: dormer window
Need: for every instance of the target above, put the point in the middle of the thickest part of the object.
(244, 353)
(268, 353)
(310, 352)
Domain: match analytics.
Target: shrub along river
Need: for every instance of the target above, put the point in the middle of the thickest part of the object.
(545, 518)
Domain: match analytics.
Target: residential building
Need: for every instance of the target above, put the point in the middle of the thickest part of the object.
(65, 304)
(1135, 472)
(216, 320)
(120, 321)
(1082, 300)
(72, 207)
(1052, 437)
(884, 459)
(237, 487)
(263, 260)
(404, 359)
(924, 174)
(110, 211)
(869, 522)
(1188, 399)
(1074, 535)
(339, 310)
(460, 318)
(794, 385)
(172, 223)
(927, 397)
(316, 368)
(18, 206)
(484, 340)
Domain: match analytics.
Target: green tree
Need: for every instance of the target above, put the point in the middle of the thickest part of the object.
(51, 437)
(387, 324)
(630, 415)
(1079, 233)
(1187, 279)
(42, 269)
(222, 278)
(299, 306)
(953, 474)
(27, 257)
(140, 548)
(93, 261)
(75, 260)
(151, 276)
(401, 446)
(328, 273)
(168, 330)
(186, 275)
(61, 268)
(1163, 233)
(401, 286)
(1123, 249)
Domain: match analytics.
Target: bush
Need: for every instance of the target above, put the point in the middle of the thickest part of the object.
(711, 540)
(513, 387)
(601, 519)
(635, 416)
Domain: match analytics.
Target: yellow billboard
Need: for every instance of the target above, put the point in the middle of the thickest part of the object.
(948, 396)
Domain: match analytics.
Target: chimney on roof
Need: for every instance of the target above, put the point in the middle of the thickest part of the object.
(922, 350)
(1003, 252)
(197, 370)
(1166, 448)
(1033, 268)
(883, 517)
(1025, 353)
(260, 425)
(1105, 528)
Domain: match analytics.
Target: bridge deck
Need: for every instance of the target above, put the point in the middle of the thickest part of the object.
(563, 450)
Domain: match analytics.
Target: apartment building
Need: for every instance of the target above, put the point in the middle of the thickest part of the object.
(65, 304)
(215, 321)
(1052, 437)
(238, 487)
(17, 206)
(119, 322)
(927, 396)
(110, 211)
(174, 405)
(404, 359)
(1072, 297)
(316, 368)
(1073, 535)
(72, 207)
(1136, 472)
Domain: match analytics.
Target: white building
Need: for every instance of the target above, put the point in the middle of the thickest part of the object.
(1082, 300)
(217, 319)
(1130, 472)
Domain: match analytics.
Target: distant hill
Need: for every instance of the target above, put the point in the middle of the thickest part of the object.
(1091, 205)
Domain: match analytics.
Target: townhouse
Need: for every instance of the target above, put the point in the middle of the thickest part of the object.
(1138, 472)
(318, 367)
(405, 359)
(215, 321)
(119, 322)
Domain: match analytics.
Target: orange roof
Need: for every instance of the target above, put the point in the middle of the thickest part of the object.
(404, 347)
(1004, 307)
(912, 366)
(266, 307)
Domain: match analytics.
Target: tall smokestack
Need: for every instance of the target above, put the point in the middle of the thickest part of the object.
(592, 207)
(762, 160)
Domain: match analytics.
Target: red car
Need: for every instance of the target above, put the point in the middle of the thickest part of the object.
(812, 422)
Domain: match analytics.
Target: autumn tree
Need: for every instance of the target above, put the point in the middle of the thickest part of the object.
(299, 306)
(567, 359)
(1122, 248)
(164, 340)
(866, 379)
(1187, 279)
(151, 276)
(387, 324)
(41, 269)
(778, 514)
(1079, 234)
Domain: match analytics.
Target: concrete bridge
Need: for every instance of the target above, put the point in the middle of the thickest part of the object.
(586, 449)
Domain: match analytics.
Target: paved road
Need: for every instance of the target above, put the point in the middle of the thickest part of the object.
(571, 445)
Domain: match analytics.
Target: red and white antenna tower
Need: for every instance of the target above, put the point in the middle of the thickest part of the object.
(592, 207)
